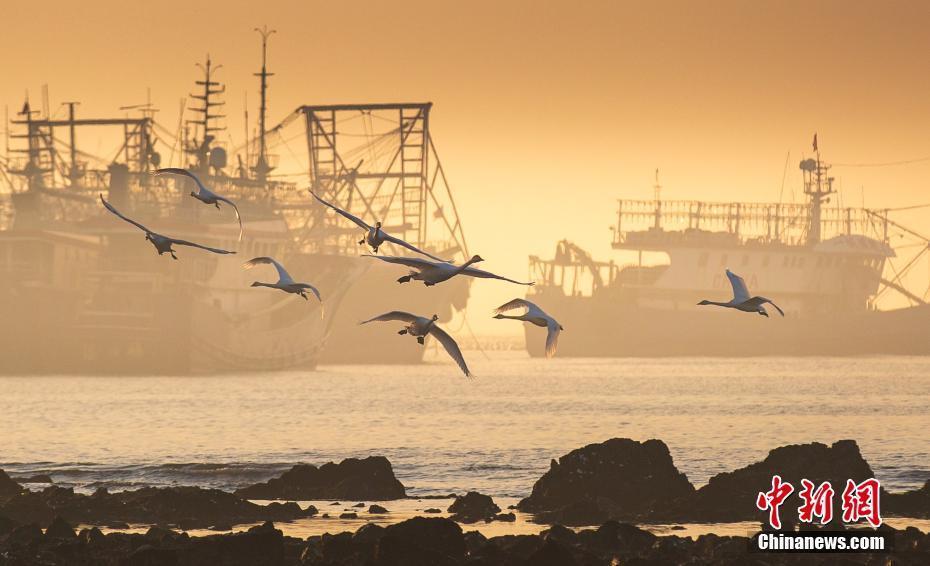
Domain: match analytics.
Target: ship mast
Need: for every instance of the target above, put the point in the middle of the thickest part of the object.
(818, 187)
(201, 150)
(262, 168)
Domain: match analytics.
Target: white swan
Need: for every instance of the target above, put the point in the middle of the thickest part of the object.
(741, 299)
(534, 315)
(375, 236)
(203, 194)
(419, 327)
(431, 272)
(162, 243)
(285, 282)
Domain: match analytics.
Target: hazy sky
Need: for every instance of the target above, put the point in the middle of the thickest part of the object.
(545, 112)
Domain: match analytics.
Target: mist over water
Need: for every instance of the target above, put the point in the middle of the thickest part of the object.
(443, 433)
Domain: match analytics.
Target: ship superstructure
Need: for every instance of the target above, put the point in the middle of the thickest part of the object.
(826, 266)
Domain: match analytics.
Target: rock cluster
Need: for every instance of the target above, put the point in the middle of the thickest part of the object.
(473, 507)
(625, 480)
(416, 542)
(369, 478)
(184, 507)
(620, 479)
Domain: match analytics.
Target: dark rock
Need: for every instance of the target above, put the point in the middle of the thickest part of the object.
(310, 511)
(25, 534)
(6, 525)
(60, 529)
(221, 527)
(377, 509)
(619, 478)
(473, 507)
(334, 503)
(731, 496)
(914, 503)
(8, 487)
(360, 505)
(432, 510)
(505, 517)
(520, 547)
(368, 535)
(190, 507)
(349, 515)
(91, 536)
(370, 478)
(422, 541)
(117, 525)
(552, 553)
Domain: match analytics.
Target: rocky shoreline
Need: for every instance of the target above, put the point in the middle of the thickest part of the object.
(416, 542)
(611, 484)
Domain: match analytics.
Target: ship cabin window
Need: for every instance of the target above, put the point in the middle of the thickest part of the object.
(723, 259)
(745, 259)
(702, 259)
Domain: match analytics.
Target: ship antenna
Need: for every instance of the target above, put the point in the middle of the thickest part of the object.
(262, 168)
(658, 194)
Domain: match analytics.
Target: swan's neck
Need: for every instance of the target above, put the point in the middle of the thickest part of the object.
(465, 265)
(518, 317)
(730, 304)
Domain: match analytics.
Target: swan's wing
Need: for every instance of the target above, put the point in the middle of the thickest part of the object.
(393, 315)
(762, 301)
(361, 223)
(196, 245)
(185, 173)
(488, 275)
(514, 304)
(740, 291)
(112, 209)
(316, 293)
(451, 347)
(283, 275)
(552, 338)
(236, 208)
(411, 247)
(416, 263)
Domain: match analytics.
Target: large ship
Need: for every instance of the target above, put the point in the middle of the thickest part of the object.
(827, 267)
(83, 292)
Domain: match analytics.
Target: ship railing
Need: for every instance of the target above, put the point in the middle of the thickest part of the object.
(787, 223)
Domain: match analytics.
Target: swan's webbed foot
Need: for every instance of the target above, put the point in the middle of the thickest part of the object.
(420, 340)
(402, 332)
(217, 205)
(362, 241)
(173, 256)
(404, 279)
(428, 284)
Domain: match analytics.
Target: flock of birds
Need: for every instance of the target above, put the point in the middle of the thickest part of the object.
(430, 271)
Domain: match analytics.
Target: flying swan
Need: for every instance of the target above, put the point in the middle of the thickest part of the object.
(419, 327)
(285, 282)
(375, 236)
(162, 243)
(741, 299)
(203, 194)
(431, 272)
(534, 315)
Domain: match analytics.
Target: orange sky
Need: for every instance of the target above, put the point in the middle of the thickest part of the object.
(545, 112)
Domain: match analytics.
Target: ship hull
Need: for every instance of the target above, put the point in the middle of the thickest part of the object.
(597, 328)
(66, 311)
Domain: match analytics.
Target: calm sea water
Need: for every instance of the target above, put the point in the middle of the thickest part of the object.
(444, 433)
